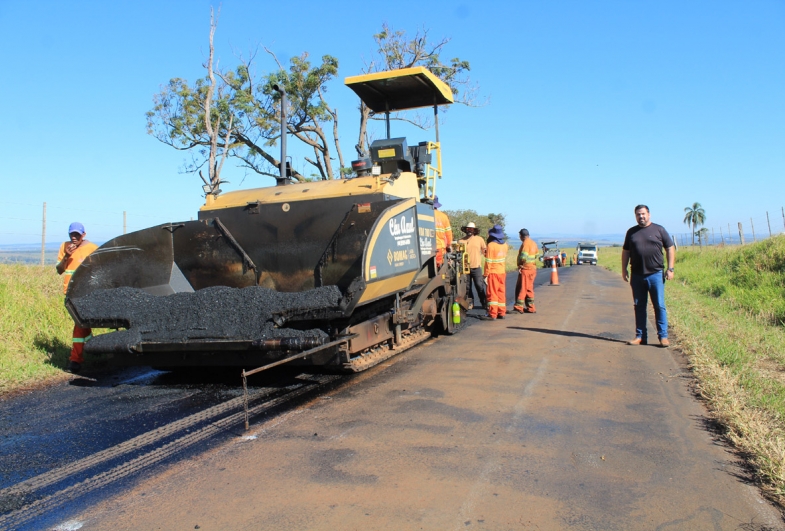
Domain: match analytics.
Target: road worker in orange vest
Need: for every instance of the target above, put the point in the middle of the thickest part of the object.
(71, 255)
(443, 232)
(527, 272)
(495, 273)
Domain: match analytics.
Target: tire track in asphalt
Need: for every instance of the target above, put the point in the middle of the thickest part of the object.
(47, 503)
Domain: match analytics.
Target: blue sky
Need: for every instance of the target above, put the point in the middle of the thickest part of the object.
(593, 107)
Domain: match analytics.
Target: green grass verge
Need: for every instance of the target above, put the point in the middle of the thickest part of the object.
(726, 306)
(35, 327)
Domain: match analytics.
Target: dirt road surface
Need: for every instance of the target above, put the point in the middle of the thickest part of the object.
(535, 422)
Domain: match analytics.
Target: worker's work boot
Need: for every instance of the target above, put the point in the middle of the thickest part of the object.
(636, 341)
(664, 343)
(74, 367)
(530, 309)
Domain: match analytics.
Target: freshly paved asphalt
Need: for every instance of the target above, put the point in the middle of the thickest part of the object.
(544, 421)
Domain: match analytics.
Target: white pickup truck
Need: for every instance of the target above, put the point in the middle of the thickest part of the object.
(587, 253)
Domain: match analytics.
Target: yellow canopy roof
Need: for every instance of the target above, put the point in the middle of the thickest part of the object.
(398, 90)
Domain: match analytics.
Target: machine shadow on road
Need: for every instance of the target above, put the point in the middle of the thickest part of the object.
(569, 334)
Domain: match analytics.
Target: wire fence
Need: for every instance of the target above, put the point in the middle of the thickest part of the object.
(747, 230)
(22, 224)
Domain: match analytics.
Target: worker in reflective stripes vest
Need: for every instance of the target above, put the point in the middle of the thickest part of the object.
(495, 273)
(527, 271)
(71, 255)
(443, 232)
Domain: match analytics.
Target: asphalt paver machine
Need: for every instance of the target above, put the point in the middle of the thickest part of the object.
(337, 273)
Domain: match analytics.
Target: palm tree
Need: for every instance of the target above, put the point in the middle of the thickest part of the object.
(694, 216)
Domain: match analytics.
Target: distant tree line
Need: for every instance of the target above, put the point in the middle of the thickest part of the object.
(461, 218)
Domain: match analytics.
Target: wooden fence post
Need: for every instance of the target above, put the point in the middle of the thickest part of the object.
(124, 218)
(741, 234)
(721, 237)
(753, 230)
(712, 237)
(769, 222)
(43, 236)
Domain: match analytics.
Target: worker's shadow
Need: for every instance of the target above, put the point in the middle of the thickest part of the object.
(57, 352)
(606, 337)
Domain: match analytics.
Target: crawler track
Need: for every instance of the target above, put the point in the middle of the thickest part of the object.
(382, 351)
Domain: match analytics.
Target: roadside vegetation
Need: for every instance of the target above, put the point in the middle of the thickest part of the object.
(726, 306)
(34, 325)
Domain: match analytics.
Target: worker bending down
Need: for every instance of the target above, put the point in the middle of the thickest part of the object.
(495, 273)
(527, 272)
(443, 232)
(71, 254)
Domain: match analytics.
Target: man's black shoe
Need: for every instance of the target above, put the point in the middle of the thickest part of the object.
(500, 317)
(74, 367)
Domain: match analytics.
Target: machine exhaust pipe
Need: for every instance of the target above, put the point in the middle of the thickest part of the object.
(284, 178)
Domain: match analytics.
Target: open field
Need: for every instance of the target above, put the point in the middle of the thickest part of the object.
(726, 306)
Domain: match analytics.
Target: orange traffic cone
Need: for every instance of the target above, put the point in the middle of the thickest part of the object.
(554, 273)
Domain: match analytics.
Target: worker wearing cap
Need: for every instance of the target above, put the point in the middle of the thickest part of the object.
(496, 273)
(443, 232)
(527, 272)
(72, 254)
(475, 248)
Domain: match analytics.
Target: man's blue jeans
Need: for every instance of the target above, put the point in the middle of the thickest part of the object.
(642, 287)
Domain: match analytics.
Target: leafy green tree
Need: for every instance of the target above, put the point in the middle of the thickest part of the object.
(694, 216)
(309, 112)
(461, 218)
(394, 50)
(236, 114)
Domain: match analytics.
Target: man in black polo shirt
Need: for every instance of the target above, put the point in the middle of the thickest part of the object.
(643, 246)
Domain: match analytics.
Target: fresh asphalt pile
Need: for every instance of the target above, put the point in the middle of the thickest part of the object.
(210, 313)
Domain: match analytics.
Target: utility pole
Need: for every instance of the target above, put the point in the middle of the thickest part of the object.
(43, 236)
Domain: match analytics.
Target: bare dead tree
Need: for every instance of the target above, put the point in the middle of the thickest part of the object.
(215, 161)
